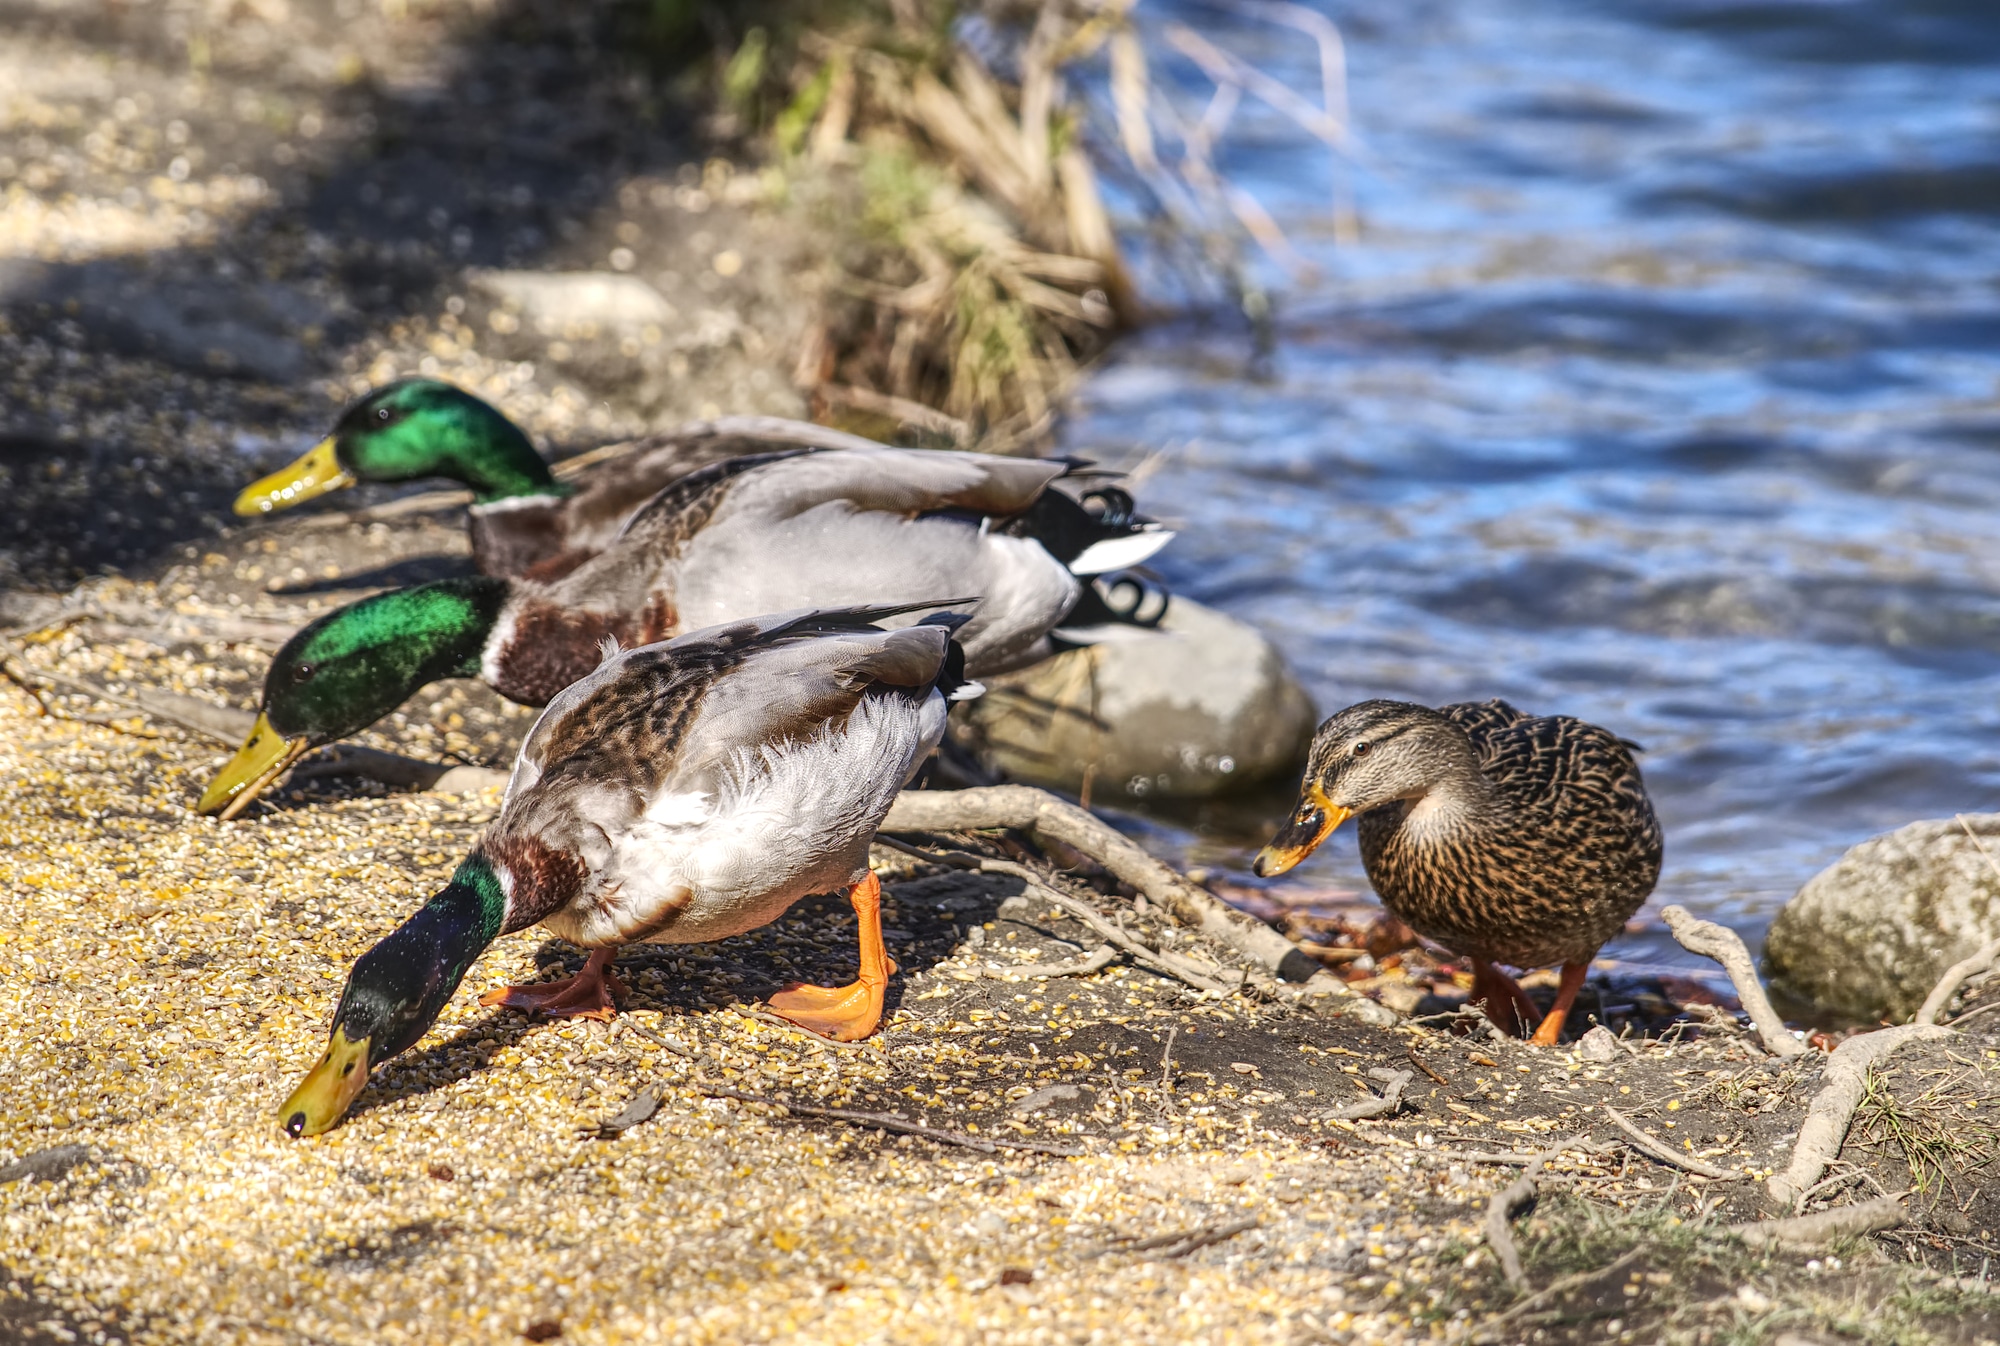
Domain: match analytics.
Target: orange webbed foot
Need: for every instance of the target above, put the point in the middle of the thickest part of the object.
(590, 994)
(851, 1012)
(1550, 1031)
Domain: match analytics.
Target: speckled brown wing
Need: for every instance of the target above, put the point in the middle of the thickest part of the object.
(617, 740)
(1569, 851)
(545, 538)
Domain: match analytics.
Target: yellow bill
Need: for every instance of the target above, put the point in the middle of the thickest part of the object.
(1311, 823)
(315, 474)
(262, 758)
(325, 1094)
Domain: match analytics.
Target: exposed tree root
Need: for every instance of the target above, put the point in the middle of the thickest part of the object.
(1039, 812)
(1954, 977)
(1832, 1110)
(1811, 1231)
(1725, 946)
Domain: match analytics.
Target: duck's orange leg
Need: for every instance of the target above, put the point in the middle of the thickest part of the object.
(1551, 1030)
(846, 1013)
(1507, 1005)
(587, 995)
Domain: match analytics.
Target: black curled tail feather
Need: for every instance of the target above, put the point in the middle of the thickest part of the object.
(951, 679)
(1067, 526)
(1125, 599)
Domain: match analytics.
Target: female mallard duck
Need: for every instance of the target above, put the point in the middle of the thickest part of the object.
(761, 533)
(524, 522)
(682, 793)
(1508, 838)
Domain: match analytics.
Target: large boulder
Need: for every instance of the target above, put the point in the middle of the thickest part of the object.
(1869, 936)
(1201, 706)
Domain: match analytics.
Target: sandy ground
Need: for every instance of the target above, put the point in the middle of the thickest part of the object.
(218, 223)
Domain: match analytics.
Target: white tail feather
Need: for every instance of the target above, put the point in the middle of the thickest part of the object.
(1121, 553)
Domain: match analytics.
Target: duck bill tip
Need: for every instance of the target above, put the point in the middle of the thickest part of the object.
(315, 473)
(265, 755)
(328, 1090)
(1310, 824)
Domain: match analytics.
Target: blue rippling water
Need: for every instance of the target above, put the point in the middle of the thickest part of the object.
(1660, 388)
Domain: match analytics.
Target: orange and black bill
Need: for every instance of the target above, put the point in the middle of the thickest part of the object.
(1311, 822)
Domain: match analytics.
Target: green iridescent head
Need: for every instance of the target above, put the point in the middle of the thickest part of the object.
(396, 992)
(403, 431)
(348, 669)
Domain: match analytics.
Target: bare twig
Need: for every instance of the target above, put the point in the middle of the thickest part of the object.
(1393, 1083)
(1419, 1063)
(1725, 946)
(883, 1121)
(1038, 811)
(1178, 1244)
(1810, 1231)
(1666, 1154)
(1167, 1070)
(1178, 968)
(1096, 960)
(1832, 1110)
(1500, 1210)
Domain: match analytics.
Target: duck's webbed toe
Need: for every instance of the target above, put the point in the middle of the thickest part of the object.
(590, 994)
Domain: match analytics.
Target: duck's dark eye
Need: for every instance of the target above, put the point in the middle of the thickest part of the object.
(300, 672)
(1361, 748)
(381, 413)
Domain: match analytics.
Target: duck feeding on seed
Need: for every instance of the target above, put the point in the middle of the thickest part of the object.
(682, 793)
(523, 520)
(1524, 840)
(754, 534)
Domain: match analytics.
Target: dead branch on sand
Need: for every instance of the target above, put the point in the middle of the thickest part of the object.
(1043, 814)
(1665, 1153)
(1501, 1209)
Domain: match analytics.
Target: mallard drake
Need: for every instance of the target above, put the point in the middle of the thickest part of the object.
(1508, 838)
(754, 534)
(681, 793)
(524, 522)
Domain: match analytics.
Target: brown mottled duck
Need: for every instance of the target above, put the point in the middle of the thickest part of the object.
(1507, 838)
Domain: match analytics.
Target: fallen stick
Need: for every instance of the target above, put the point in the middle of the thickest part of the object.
(1500, 1210)
(1666, 1153)
(1096, 960)
(1832, 1110)
(1725, 946)
(1167, 1071)
(1178, 968)
(1393, 1082)
(883, 1121)
(1810, 1231)
(1188, 1240)
(1954, 977)
(1038, 811)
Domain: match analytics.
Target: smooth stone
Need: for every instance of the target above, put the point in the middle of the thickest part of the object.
(553, 298)
(1598, 1045)
(1199, 707)
(1869, 936)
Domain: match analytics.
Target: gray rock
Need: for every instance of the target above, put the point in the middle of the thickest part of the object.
(1869, 936)
(1202, 706)
(1598, 1045)
(552, 299)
